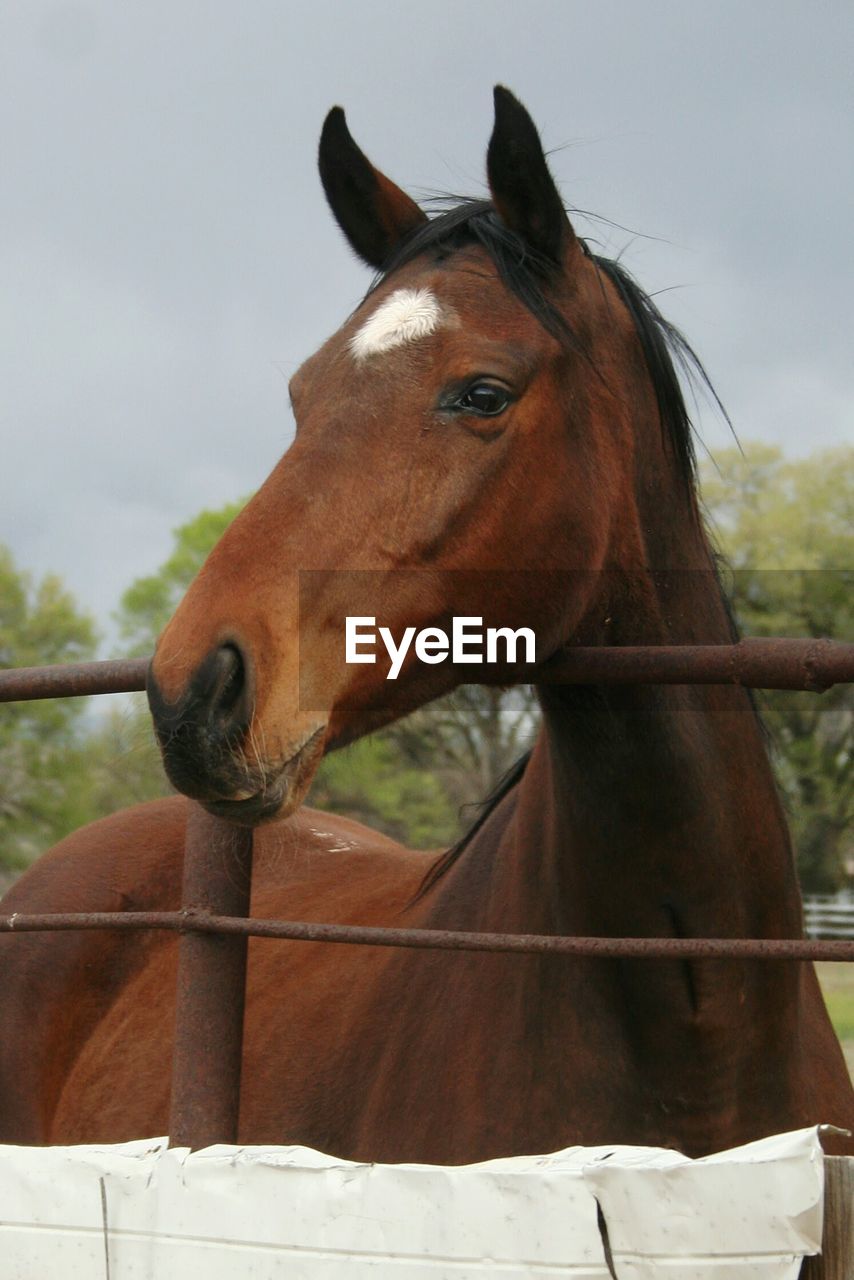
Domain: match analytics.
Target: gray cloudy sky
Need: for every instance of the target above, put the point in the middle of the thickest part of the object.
(166, 257)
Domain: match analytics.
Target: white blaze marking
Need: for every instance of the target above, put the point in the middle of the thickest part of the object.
(407, 315)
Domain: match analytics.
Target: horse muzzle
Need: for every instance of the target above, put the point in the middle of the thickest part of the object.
(203, 736)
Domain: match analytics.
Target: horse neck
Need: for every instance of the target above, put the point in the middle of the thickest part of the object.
(644, 810)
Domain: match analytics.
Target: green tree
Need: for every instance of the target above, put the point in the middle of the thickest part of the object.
(39, 624)
(469, 739)
(122, 762)
(787, 530)
(116, 763)
(149, 603)
(374, 783)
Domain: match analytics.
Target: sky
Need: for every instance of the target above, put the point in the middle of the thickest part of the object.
(167, 259)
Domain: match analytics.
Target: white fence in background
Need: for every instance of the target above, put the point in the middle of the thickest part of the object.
(829, 917)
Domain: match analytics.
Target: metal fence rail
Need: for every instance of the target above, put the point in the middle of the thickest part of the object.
(603, 948)
(772, 663)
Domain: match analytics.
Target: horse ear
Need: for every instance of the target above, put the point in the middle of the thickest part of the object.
(374, 214)
(523, 190)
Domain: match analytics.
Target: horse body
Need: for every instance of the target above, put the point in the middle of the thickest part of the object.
(382, 1054)
(497, 431)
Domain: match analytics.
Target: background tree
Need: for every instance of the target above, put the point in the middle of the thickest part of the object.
(39, 624)
(375, 783)
(149, 603)
(787, 530)
(59, 768)
(124, 764)
(469, 739)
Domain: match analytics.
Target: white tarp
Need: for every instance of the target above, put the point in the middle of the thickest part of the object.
(140, 1210)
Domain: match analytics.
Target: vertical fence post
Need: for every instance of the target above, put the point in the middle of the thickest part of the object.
(211, 986)
(837, 1252)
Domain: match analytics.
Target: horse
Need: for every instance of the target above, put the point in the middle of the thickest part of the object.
(496, 432)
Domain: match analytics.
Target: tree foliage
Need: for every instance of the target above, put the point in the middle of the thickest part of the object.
(122, 760)
(374, 783)
(787, 530)
(468, 740)
(39, 624)
(149, 602)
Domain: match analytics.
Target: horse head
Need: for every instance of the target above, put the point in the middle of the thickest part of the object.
(485, 418)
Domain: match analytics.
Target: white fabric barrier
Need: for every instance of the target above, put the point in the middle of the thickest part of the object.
(140, 1210)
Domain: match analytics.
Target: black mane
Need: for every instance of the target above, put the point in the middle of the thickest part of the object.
(527, 275)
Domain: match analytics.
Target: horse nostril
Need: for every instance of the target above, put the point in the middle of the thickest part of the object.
(225, 678)
(214, 711)
(228, 679)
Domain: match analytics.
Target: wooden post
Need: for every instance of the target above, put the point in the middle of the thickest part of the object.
(837, 1257)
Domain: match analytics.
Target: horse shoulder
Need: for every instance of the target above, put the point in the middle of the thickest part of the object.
(110, 865)
(75, 1003)
(57, 985)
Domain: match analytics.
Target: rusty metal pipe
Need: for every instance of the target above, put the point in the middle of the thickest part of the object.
(773, 663)
(211, 985)
(73, 680)
(204, 922)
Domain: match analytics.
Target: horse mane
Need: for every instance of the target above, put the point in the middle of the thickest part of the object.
(527, 275)
(507, 783)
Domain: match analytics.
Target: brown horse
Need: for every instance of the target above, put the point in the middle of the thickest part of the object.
(497, 432)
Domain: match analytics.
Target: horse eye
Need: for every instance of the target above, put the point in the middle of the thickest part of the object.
(486, 399)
